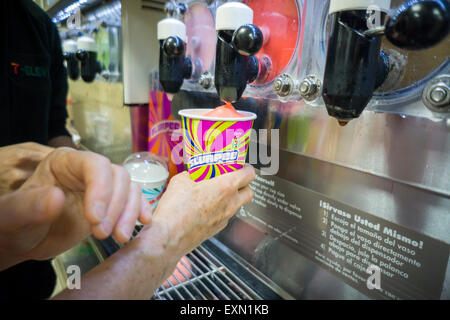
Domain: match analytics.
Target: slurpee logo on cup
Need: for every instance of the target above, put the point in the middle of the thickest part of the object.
(214, 145)
(150, 173)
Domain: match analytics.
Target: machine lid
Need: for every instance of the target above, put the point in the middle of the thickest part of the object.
(69, 46)
(280, 23)
(171, 27)
(232, 15)
(87, 43)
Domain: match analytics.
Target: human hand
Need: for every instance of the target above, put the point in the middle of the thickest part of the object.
(76, 193)
(17, 164)
(187, 214)
(191, 212)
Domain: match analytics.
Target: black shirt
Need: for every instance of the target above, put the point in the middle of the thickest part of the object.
(33, 83)
(33, 90)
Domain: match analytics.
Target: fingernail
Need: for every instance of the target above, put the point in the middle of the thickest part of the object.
(99, 210)
(126, 231)
(106, 227)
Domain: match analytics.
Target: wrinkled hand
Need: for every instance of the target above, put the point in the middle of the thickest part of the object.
(71, 194)
(191, 212)
(17, 164)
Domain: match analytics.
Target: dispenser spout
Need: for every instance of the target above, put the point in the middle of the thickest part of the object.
(238, 40)
(356, 65)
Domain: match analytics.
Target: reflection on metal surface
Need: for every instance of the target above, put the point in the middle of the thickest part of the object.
(412, 150)
(299, 276)
(201, 38)
(86, 255)
(421, 62)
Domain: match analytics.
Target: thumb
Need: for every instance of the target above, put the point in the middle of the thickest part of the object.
(33, 206)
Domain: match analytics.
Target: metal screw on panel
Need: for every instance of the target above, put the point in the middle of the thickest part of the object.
(283, 85)
(436, 95)
(206, 80)
(309, 88)
(277, 85)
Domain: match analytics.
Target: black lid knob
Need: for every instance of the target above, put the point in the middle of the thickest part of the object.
(419, 24)
(174, 46)
(67, 55)
(182, 8)
(247, 40)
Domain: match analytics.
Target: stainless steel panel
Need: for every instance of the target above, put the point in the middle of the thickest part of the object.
(408, 149)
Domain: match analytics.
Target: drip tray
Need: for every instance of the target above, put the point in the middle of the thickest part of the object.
(200, 276)
(212, 272)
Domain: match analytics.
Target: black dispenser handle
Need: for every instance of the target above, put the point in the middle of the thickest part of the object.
(73, 69)
(174, 66)
(247, 40)
(89, 64)
(419, 24)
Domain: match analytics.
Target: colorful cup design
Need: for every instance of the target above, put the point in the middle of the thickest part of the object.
(150, 173)
(214, 146)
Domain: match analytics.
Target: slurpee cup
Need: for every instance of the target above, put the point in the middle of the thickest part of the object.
(213, 145)
(150, 173)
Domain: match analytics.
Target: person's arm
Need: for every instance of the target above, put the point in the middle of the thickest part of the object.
(57, 133)
(133, 272)
(187, 214)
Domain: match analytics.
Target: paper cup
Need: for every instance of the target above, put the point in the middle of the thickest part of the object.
(149, 173)
(214, 146)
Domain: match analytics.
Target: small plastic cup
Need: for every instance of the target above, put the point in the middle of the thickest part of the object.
(214, 146)
(149, 173)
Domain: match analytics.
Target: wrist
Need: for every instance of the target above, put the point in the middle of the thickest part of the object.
(154, 242)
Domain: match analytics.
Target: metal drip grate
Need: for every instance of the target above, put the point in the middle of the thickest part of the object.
(200, 276)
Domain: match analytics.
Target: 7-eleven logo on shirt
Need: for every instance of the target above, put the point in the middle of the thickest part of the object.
(30, 71)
